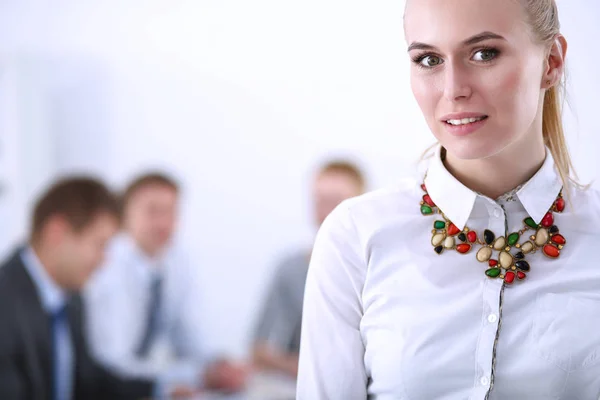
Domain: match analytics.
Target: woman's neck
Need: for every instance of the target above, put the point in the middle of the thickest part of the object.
(502, 172)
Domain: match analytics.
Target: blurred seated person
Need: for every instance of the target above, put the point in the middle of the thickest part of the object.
(144, 305)
(277, 336)
(43, 349)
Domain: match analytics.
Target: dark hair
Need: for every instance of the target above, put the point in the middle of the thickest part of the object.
(77, 199)
(145, 180)
(347, 168)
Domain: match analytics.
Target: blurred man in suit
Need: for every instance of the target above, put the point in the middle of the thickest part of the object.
(277, 337)
(145, 304)
(43, 349)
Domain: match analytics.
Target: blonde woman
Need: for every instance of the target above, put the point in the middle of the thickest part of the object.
(480, 279)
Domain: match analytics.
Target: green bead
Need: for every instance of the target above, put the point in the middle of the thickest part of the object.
(493, 272)
(513, 238)
(439, 225)
(426, 210)
(530, 222)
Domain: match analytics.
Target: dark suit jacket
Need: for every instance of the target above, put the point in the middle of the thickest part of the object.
(25, 347)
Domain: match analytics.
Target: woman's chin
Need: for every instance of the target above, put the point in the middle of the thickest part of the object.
(469, 150)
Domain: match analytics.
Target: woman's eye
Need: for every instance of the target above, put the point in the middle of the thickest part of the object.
(485, 55)
(430, 61)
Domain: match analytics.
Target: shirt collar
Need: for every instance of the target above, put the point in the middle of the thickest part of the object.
(539, 193)
(453, 198)
(52, 296)
(456, 200)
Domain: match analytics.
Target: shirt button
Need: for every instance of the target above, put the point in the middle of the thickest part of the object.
(497, 213)
(485, 381)
(492, 318)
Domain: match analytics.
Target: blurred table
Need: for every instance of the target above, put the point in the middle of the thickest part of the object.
(262, 386)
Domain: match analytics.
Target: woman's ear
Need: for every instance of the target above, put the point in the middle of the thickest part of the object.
(555, 63)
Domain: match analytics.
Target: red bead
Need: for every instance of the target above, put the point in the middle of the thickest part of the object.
(427, 199)
(423, 187)
(548, 220)
(559, 239)
(472, 236)
(521, 275)
(509, 277)
(463, 248)
(493, 263)
(560, 204)
(551, 251)
(453, 230)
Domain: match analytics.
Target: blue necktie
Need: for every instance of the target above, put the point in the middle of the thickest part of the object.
(152, 318)
(61, 356)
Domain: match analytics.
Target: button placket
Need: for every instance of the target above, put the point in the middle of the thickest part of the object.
(492, 290)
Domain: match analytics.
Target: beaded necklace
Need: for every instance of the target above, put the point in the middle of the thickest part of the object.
(509, 264)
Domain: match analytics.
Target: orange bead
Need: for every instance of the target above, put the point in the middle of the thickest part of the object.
(551, 251)
(453, 230)
(559, 239)
(463, 248)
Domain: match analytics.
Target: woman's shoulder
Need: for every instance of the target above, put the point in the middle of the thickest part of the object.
(588, 194)
(402, 196)
(369, 211)
(584, 208)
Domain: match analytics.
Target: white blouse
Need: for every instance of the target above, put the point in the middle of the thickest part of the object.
(386, 317)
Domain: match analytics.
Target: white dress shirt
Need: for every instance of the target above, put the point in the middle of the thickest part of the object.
(386, 316)
(117, 301)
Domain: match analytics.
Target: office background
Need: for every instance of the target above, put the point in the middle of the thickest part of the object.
(240, 100)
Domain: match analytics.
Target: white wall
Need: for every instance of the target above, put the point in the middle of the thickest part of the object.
(8, 159)
(28, 150)
(241, 99)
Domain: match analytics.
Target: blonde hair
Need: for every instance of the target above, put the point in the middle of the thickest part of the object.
(542, 17)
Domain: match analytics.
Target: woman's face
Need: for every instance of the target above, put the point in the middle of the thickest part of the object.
(476, 73)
